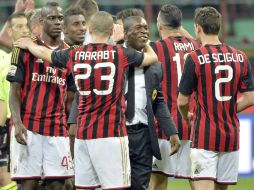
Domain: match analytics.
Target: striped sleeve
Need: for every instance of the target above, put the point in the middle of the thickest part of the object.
(60, 58)
(247, 81)
(135, 58)
(16, 72)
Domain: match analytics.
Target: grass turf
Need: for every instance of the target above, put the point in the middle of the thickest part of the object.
(180, 184)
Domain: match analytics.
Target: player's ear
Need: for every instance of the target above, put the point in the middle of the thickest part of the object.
(159, 27)
(125, 34)
(199, 28)
(9, 31)
(65, 31)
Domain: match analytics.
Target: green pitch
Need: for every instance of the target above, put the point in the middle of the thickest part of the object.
(243, 184)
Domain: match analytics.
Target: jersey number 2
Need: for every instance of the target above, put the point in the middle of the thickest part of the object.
(222, 80)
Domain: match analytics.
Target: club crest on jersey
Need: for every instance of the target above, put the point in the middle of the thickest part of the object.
(154, 94)
(12, 70)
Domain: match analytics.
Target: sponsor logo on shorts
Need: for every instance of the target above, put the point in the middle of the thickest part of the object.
(198, 169)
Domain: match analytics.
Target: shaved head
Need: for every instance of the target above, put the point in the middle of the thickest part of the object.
(101, 23)
(170, 16)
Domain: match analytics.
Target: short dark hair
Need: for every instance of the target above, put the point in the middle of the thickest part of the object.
(130, 21)
(171, 15)
(90, 7)
(48, 4)
(122, 15)
(15, 15)
(209, 19)
(73, 11)
(51, 4)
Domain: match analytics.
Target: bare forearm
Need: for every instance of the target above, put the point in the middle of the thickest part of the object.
(15, 104)
(150, 57)
(242, 105)
(40, 52)
(184, 109)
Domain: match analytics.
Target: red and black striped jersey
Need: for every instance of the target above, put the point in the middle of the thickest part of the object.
(43, 92)
(172, 52)
(216, 73)
(99, 76)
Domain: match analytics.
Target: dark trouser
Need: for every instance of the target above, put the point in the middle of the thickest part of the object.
(4, 145)
(140, 156)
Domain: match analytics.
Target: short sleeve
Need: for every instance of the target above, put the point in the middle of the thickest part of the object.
(247, 83)
(16, 71)
(188, 80)
(60, 58)
(135, 58)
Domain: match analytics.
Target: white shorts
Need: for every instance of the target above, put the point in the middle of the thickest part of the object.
(102, 162)
(178, 165)
(221, 167)
(42, 157)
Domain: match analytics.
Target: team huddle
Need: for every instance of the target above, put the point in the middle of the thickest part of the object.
(95, 105)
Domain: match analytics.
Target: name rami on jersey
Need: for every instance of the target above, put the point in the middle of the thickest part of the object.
(183, 46)
(220, 57)
(94, 55)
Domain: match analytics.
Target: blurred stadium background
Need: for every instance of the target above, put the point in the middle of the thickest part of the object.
(237, 30)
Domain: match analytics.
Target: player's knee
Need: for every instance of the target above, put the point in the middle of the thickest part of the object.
(159, 178)
(55, 184)
(29, 184)
(68, 184)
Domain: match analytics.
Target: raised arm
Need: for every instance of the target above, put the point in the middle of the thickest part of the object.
(38, 51)
(150, 57)
(20, 6)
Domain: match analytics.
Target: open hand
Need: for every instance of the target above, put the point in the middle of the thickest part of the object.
(175, 144)
(118, 33)
(24, 6)
(23, 43)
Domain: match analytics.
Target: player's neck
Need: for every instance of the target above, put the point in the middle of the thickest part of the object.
(53, 42)
(70, 42)
(167, 33)
(99, 39)
(210, 39)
